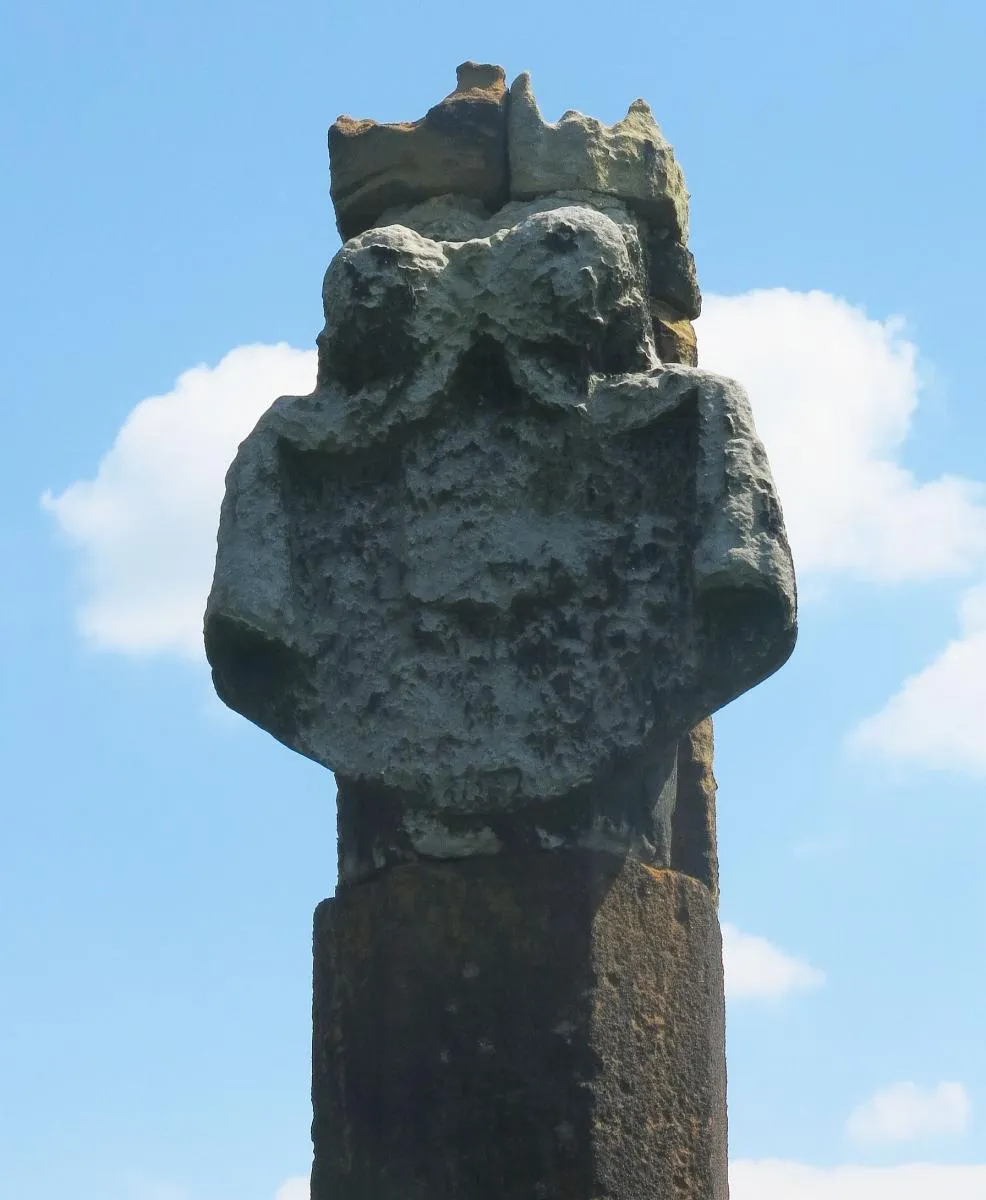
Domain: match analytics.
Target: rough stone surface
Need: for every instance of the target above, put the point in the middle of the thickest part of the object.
(630, 160)
(693, 824)
(459, 146)
(674, 335)
(670, 280)
(500, 552)
(545, 1025)
(630, 810)
(671, 277)
(460, 219)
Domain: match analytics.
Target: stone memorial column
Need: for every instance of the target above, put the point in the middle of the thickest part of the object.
(495, 572)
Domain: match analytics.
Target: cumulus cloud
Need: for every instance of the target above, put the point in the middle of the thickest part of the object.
(146, 524)
(938, 717)
(904, 1111)
(755, 969)
(775, 1179)
(833, 393)
(297, 1188)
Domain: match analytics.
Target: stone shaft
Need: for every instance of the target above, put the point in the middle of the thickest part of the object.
(542, 1025)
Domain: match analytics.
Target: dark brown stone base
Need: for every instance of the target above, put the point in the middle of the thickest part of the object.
(538, 1026)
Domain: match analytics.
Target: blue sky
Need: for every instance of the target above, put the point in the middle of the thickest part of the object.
(166, 211)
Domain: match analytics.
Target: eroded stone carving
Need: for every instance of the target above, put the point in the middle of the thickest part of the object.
(630, 159)
(502, 551)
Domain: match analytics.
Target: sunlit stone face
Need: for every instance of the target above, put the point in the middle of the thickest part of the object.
(500, 550)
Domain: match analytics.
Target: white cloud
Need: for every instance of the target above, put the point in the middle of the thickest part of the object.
(757, 969)
(775, 1179)
(904, 1111)
(833, 392)
(146, 525)
(297, 1188)
(938, 718)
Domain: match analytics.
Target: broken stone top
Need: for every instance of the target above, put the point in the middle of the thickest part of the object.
(485, 144)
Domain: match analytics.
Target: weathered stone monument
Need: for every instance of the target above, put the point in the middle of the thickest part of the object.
(496, 572)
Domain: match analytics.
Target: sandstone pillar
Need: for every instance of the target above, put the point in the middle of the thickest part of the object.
(495, 572)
